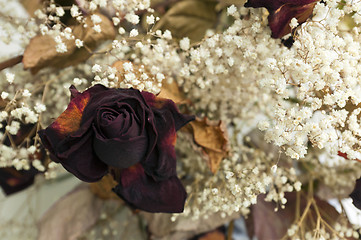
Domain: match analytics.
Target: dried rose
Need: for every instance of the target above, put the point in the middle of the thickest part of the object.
(356, 194)
(281, 13)
(11, 179)
(129, 132)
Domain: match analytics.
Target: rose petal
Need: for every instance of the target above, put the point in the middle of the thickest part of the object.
(12, 181)
(124, 122)
(70, 120)
(120, 153)
(73, 92)
(161, 164)
(162, 105)
(273, 5)
(269, 4)
(80, 159)
(69, 142)
(142, 192)
(356, 194)
(282, 12)
(279, 21)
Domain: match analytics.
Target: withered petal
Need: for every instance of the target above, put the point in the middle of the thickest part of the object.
(269, 4)
(142, 192)
(162, 105)
(356, 194)
(12, 180)
(279, 21)
(282, 12)
(161, 163)
(82, 161)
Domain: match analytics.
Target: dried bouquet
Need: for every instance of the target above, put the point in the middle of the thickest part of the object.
(181, 118)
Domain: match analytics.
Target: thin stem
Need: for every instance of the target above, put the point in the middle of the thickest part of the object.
(11, 62)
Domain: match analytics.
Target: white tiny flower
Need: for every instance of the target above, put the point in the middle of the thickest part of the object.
(96, 68)
(74, 11)
(40, 14)
(26, 93)
(128, 66)
(231, 10)
(39, 107)
(59, 11)
(121, 30)
(184, 44)
(78, 43)
(150, 19)
(61, 48)
(294, 23)
(167, 35)
(31, 149)
(10, 77)
(4, 95)
(160, 77)
(96, 19)
(58, 39)
(97, 28)
(132, 18)
(77, 81)
(263, 125)
(133, 33)
(116, 21)
(92, 6)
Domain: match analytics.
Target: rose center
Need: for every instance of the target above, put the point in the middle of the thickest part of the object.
(118, 123)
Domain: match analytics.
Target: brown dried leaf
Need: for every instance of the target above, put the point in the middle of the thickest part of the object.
(172, 91)
(31, 5)
(189, 18)
(212, 137)
(213, 235)
(103, 188)
(70, 216)
(41, 51)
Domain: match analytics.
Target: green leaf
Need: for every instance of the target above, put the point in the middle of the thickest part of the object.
(189, 18)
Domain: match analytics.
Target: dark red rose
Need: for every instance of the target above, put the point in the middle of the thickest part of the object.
(356, 194)
(129, 132)
(12, 180)
(281, 13)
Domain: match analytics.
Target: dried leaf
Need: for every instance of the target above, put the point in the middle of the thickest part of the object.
(162, 228)
(70, 216)
(266, 224)
(41, 51)
(171, 91)
(103, 188)
(189, 18)
(216, 234)
(31, 6)
(212, 137)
